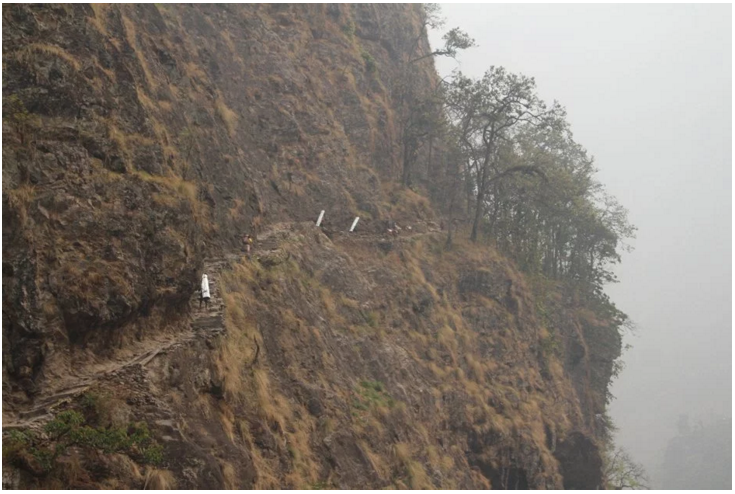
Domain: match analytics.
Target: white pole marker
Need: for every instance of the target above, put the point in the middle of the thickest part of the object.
(354, 224)
(321, 216)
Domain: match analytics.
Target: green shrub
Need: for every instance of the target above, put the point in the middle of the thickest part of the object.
(15, 441)
(349, 29)
(550, 345)
(64, 423)
(372, 394)
(370, 64)
(153, 454)
(371, 318)
(69, 428)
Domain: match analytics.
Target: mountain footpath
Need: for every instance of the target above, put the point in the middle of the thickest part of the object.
(140, 142)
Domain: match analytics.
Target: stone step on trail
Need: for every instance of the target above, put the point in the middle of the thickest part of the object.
(208, 323)
(204, 322)
(212, 318)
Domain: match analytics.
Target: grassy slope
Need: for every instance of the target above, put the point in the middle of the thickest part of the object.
(378, 365)
(426, 378)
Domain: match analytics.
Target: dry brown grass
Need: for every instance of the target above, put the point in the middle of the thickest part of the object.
(27, 53)
(236, 355)
(234, 52)
(433, 456)
(166, 200)
(179, 190)
(446, 338)
(193, 70)
(267, 477)
(229, 475)
(377, 461)
(132, 38)
(477, 371)
(144, 99)
(99, 21)
(228, 117)
(402, 452)
(126, 142)
(407, 203)
(264, 395)
(234, 212)
(253, 386)
(118, 136)
(417, 477)
(159, 480)
(22, 195)
(227, 419)
(238, 351)
(86, 281)
(305, 468)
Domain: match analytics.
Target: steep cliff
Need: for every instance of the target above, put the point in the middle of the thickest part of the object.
(139, 143)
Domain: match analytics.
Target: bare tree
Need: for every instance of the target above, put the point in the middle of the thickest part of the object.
(621, 472)
(420, 106)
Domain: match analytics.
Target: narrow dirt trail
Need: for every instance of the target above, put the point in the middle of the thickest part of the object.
(373, 237)
(204, 322)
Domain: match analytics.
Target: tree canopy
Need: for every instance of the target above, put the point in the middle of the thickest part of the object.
(529, 186)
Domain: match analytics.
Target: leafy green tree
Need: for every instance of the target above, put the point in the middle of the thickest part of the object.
(454, 40)
(489, 112)
(533, 188)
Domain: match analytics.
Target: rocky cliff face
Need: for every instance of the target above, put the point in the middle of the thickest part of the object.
(139, 144)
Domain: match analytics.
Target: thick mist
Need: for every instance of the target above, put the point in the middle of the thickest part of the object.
(648, 93)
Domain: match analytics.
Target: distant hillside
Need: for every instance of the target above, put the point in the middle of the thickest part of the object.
(700, 457)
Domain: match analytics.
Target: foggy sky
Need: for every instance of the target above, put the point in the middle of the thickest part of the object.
(648, 93)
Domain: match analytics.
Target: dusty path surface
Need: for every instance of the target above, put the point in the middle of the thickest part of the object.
(203, 323)
(417, 229)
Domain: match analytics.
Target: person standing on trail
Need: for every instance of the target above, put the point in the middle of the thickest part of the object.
(247, 242)
(205, 292)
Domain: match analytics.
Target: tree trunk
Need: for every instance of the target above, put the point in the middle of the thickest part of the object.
(468, 187)
(406, 179)
(429, 171)
(496, 207)
(449, 234)
(481, 190)
(478, 214)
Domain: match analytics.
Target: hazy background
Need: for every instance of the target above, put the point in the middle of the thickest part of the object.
(648, 93)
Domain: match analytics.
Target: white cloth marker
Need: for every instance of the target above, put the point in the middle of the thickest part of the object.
(321, 216)
(205, 287)
(354, 224)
